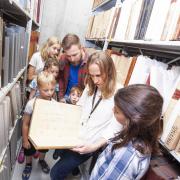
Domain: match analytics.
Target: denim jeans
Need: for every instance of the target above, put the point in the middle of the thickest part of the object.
(69, 160)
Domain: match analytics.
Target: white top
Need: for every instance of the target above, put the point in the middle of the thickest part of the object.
(30, 106)
(37, 62)
(102, 122)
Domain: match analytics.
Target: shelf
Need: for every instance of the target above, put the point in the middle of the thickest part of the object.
(20, 9)
(13, 12)
(35, 25)
(173, 153)
(10, 135)
(166, 49)
(4, 91)
(107, 4)
(159, 44)
(95, 39)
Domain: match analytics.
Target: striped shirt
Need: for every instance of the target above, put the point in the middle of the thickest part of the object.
(125, 163)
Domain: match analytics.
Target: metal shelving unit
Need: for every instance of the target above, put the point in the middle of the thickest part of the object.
(4, 91)
(168, 50)
(35, 25)
(173, 153)
(106, 4)
(14, 13)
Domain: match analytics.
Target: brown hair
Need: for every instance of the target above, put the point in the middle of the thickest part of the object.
(76, 89)
(51, 62)
(106, 66)
(142, 107)
(44, 50)
(69, 40)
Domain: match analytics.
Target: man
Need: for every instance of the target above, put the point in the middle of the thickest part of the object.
(72, 65)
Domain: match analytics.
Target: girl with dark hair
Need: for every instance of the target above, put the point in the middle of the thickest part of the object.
(138, 108)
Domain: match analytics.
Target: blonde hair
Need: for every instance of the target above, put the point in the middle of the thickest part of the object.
(44, 50)
(45, 78)
(76, 89)
(107, 68)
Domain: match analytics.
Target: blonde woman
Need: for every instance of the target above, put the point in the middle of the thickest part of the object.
(50, 49)
(97, 122)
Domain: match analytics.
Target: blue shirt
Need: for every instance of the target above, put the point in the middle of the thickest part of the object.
(73, 78)
(125, 163)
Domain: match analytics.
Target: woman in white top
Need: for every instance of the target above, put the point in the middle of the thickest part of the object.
(97, 122)
(50, 49)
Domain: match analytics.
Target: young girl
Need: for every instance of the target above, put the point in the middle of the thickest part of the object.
(138, 108)
(50, 49)
(46, 85)
(51, 66)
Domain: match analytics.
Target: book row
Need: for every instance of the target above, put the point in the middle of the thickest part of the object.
(137, 20)
(14, 46)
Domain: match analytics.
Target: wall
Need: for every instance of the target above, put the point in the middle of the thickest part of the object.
(65, 16)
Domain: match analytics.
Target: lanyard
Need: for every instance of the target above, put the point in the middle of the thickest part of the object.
(97, 103)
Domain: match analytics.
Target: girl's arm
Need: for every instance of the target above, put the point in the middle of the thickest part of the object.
(31, 73)
(25, 130)
(32, 93)
(89, 148)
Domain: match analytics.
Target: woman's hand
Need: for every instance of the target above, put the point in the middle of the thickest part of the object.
(89, 148)
(84, 149)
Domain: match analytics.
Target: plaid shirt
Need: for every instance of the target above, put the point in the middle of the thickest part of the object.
(64, 73)
(125, 163)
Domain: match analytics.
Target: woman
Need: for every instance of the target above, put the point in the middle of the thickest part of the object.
(97, 115)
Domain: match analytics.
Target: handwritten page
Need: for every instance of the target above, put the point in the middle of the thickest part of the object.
(55, 125)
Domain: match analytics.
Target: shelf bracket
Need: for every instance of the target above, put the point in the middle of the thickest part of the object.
(174, 60)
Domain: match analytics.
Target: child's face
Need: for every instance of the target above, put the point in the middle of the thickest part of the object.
(74, 97)
(46, 91)
(54, 70)
(54, 50)
(119, 115)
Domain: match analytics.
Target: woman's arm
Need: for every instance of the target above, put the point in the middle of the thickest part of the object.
(89, 148)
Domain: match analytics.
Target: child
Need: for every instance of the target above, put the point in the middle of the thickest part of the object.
(50, 49)
(51, 66)
(46, 85)
(74, 95)
(138, 108)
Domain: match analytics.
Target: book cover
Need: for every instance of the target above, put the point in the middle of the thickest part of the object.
(53, 127)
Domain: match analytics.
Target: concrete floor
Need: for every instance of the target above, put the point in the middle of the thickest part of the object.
(37, 173)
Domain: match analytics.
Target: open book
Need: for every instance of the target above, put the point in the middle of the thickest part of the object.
(55, 125)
